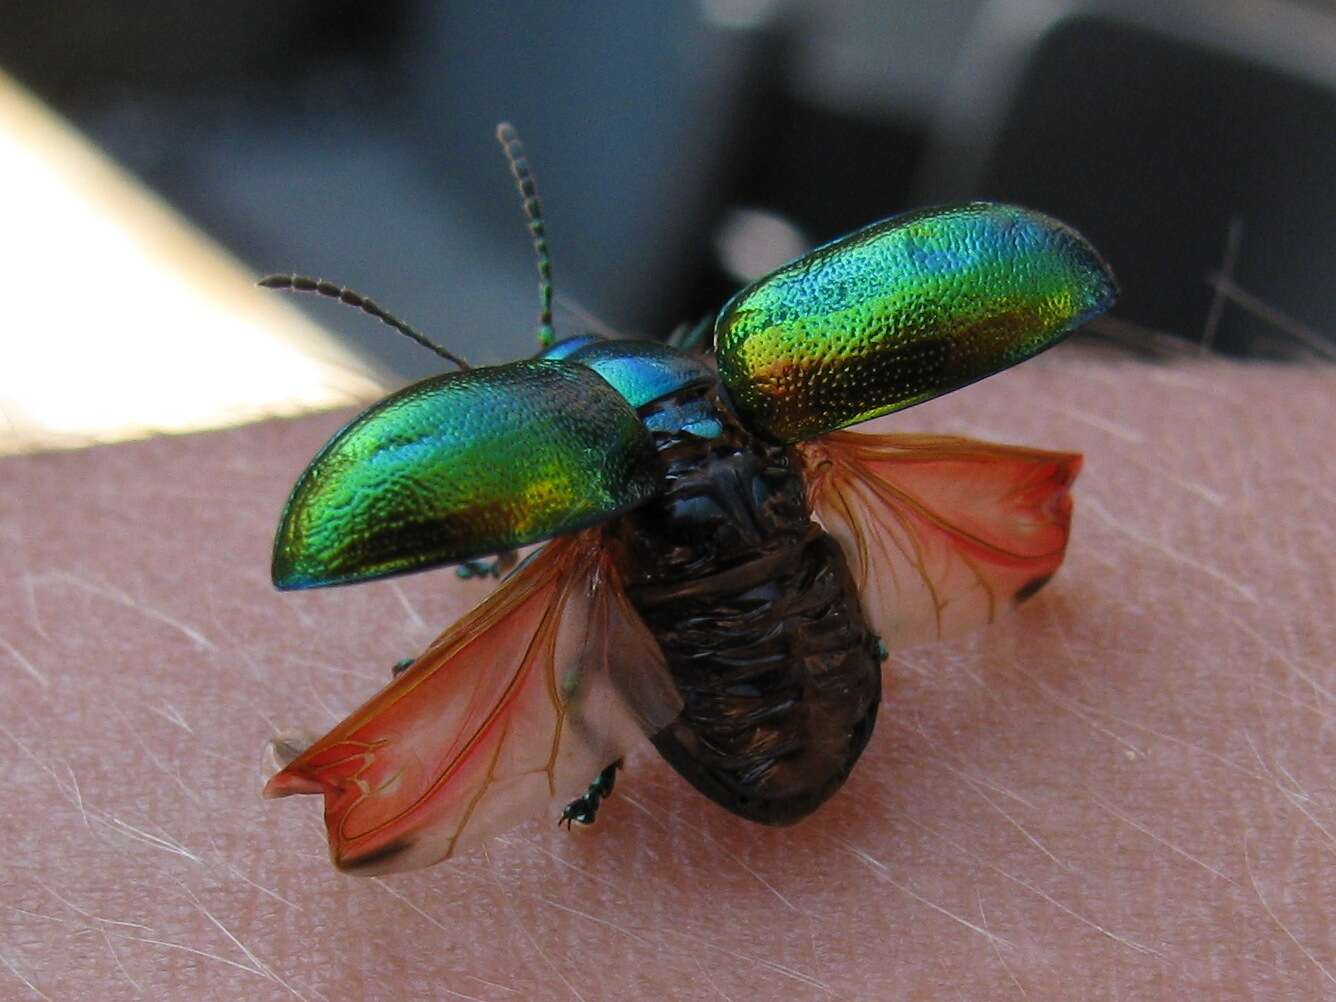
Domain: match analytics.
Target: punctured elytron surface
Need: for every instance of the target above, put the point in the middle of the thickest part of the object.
(902, 311)
(462, 465)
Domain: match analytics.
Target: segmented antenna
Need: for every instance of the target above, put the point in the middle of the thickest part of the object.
(533, 211)
(320, 287)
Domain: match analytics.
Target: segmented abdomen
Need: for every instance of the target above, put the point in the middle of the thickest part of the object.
(757, 616)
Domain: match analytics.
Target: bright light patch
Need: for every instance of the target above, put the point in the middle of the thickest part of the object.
(119, 320)
(753, 242)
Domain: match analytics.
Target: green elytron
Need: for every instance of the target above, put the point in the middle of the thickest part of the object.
(463, 465)
(902, 311)
(726, 569)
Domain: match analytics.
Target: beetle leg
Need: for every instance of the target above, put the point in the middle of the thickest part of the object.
(697, 338)
(401, 666)
(487, 568)
(583, 810)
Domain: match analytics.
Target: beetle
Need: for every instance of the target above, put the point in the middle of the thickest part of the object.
(724, 568)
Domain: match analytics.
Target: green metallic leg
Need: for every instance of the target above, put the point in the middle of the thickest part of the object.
(477, 569)
(401, 666)
(486, 568)
(583, 810)
(686, 338)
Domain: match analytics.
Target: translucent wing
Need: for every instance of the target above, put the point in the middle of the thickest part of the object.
(515, 708)
(942, 534)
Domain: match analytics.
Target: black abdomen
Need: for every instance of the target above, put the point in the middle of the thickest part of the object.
(759, 620)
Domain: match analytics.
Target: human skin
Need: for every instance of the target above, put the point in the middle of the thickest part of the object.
(1124, 791)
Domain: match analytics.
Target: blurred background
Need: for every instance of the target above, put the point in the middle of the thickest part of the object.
(683, 148)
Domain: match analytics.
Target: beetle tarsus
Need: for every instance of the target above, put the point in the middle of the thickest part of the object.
(470, 569)
(476, 569)
(693, 338)
(401, 666)
(583, 810)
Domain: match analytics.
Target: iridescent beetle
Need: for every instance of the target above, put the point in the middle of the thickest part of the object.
(725, 568)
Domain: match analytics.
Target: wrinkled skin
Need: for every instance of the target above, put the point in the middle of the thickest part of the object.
(1124, 791)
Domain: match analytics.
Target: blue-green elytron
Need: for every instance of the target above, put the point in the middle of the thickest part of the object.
(725, 568)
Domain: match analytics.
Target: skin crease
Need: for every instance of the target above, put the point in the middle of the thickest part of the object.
(1122, 792)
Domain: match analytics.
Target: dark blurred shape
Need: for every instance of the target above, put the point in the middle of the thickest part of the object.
(88, 51)
(355, 142)
(826, 170)
(1199, 156)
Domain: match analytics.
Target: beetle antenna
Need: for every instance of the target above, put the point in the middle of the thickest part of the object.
(533, 211)
(320, 287)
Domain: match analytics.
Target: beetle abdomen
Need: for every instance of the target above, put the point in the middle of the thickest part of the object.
(757, 616)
